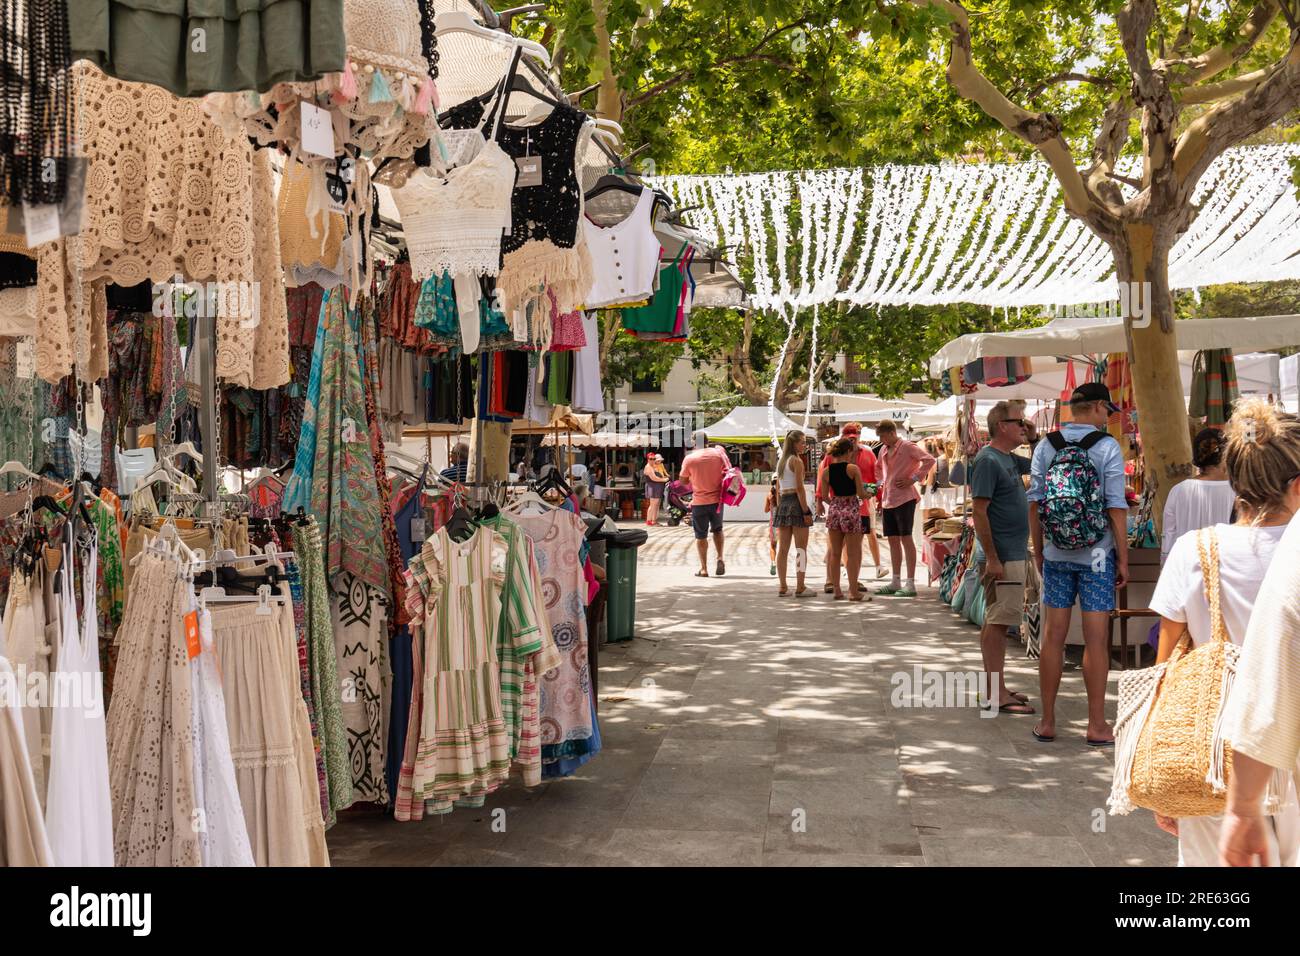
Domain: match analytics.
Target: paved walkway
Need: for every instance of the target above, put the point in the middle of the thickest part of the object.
(745, 729)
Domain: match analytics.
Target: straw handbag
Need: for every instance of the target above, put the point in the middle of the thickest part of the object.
(1170, 753)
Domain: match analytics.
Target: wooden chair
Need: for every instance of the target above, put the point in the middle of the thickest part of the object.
(1143, 568)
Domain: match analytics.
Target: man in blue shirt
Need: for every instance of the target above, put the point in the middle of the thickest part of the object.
(1089, 575)
(459, 466)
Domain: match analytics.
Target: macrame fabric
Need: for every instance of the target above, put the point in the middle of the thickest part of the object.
(34, 56)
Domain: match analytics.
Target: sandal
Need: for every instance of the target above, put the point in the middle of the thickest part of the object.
(783, 592)
(803, 593)
(828, 589)
(839, 597)
(701, 574)
(721, 569)
(1017, 707)
(1042, 738)
(862, 596)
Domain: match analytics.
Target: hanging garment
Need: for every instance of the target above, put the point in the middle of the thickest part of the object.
(566, 710)
(24, 644)
(661, 314)
(223, 833)
(567, 332)
(294, 579)
(245, 48)
(545, 245)
(165, 195)
(360, 615)
(150, 724)
(79, 809)
(270, 734)
(34, 126)
(23, 841)
(454, 223)
(435, 308)
(624, 256)
(1214, 386)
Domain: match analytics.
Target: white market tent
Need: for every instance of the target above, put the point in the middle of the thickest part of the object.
(1289, 373)
(1104, 335)
(751, 425)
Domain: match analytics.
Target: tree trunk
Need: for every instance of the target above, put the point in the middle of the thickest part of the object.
(1142, 266)
(609, 101)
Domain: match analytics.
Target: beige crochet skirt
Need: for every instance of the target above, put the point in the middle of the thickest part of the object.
(270, 734)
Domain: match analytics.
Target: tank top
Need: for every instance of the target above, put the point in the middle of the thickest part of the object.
(841, 482)
(625, 256)
(789, 482)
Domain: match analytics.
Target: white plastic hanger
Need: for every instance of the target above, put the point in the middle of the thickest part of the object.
(12, 467)
(529, 497)
(458, 21)
(184, 448)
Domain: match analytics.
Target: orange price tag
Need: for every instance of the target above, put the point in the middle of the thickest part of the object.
(192, 643)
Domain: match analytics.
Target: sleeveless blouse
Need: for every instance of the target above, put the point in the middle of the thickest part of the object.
(625, 256)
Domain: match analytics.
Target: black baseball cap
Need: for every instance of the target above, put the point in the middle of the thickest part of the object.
(1092, 392)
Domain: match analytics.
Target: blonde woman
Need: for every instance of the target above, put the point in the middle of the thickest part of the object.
(841, 486)
(656, 479)
(1262, 456)
(792, 517)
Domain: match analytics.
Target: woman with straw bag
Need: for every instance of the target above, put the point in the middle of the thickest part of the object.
(1171, 754)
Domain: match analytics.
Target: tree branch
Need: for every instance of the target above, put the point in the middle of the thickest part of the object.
(1210, 92)
(1150, 94)
(1127, 180)
(1040, 130)
(1214, 61)
(1038, 88)
(1110, 141)
(1185, 34)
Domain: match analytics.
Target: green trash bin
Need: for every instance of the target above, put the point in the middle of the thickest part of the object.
(620, 574)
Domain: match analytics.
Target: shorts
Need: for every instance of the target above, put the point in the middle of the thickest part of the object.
(789, 513)
(706, 518)
(654, 490)
(1064, 580)
(898, 520)
(842, 516)
(1004, 600)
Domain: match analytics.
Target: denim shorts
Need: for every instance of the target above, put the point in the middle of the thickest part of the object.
(706, 519)
(1063, 581)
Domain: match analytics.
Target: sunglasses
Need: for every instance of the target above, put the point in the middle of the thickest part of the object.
(1018, 422)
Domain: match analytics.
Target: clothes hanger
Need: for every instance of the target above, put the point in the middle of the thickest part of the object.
(610, 182)
(13, 467)
(458, 21)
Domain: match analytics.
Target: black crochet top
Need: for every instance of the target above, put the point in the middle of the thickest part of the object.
(549, 212)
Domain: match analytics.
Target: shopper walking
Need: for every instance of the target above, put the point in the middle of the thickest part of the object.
(792, 517)
(902, 465)
(656, 480)
(1202, 501)
(865, 459)
(703, 470)
(841, 487)
(1078, 519)
(1001, 513)
(1263, 462)
(1263, 716)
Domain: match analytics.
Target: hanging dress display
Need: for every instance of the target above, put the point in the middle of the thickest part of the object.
(34, 125)
(23, 840)
(79, 810)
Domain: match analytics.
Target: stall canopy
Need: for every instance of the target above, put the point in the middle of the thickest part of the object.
(604, 440)
(751, 425)
(1104, 335)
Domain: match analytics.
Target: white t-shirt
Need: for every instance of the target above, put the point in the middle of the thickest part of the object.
(1244, 556)
(1195, 504)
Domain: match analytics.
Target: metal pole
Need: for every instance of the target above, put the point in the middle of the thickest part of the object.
(205, 356)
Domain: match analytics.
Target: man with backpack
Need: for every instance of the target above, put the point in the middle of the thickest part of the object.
(705, 470)
(1078, 520)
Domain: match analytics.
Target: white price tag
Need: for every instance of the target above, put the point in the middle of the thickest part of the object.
(317, 130)
(26, 359)
(417, 530)
(41, 224)
(530, 171)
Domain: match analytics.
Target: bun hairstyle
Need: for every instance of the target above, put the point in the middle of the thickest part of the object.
(1261, 454)
(1207, 448)
(840, 447)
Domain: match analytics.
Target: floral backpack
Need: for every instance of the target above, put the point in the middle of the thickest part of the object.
(1073, 509)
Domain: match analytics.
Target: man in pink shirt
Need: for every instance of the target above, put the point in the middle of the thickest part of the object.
(902, 465)
(866, 462)
(703, 470)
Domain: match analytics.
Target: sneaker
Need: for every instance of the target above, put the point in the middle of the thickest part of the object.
(905, 592)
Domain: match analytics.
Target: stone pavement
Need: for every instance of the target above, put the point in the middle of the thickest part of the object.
(741, 728)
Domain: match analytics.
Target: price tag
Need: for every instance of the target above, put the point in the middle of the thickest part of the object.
(417, 530)
(317, 130)
(41, 224)
(25, 368)
(530, 171)
(192, 643)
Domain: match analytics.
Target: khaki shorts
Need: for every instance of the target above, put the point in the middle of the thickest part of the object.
(1004, 600)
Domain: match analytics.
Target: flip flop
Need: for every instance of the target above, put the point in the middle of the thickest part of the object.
(721, 569)
(1042, 738)
(1100, 743)
(783, 592)
(1023, 698)
(806, 592)
(701, 574)
(1021, 708)
(828, 589)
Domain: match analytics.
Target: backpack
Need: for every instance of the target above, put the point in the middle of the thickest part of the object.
(733, 486)
(1073, 509)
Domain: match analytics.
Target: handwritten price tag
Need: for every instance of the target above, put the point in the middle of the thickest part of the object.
(317, 131)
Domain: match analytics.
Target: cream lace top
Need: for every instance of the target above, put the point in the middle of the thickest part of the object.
(455, 224)
(167, 192)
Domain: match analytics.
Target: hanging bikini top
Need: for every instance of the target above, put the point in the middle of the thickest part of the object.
(455, 224)
(625, 256)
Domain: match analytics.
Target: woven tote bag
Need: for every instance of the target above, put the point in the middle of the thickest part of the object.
(1170, 754)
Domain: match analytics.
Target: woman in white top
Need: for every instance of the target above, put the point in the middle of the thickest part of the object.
(1202, 501)
(1262, 455)
(793, 517)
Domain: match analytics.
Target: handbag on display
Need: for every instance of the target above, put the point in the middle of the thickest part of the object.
(1171, 756)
